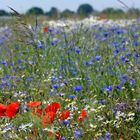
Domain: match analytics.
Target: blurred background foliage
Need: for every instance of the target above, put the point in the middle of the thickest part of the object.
(84, 10)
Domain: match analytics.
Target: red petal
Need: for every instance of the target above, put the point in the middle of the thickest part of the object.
(84, 113)
(12, 109)
(2, 107)
(2, 114)
(34, 104)
(46, 29)
(38, 112)
(48, 118)
(64, 114)
(54, 107)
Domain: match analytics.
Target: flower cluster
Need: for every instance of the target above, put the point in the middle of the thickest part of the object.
(10, 110)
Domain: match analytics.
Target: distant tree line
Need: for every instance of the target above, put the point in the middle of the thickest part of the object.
(84, 10)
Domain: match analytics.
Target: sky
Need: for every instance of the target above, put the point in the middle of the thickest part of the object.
(23, 5)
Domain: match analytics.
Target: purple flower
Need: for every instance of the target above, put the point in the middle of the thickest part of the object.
(55, 42)
(103, 101)
(78, 133)
(72, 96)
(122, 58)
(40, 45)
(55, 86)
(120, 107)
(124, 77)
(128, 54)
(98, 57)
(135, 43)
(66, 122)
(63, 138)
(30, 79)
(118, 87)
(78, 50)
(4, 62)
(136, 55)
(116, 51)
(19, 61)
(77, 88)
(109, 88)
(107, 135)
(132, 82)
(116, 44)
(106, 34)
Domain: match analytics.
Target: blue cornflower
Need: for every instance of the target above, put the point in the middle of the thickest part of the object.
(116, 51)
(135, 43)
(51, 92)
(122, 58)
(55, 79)
(78, 133)
(124, 47)
(72, 96)
(128, 54)
(55, 86)
(19, 61)
(102, 89)
(136, 55)
(63, 138)
(107, 135)
(123, 82)
(78, 50)
(124, 77)
(30, 79)
(77, 88)
(40, 45)
(31, 62)
(132, 82)
(119, 31)
(116, 44)
(50, 30)
(97, 35)
(109, 88)
(124, 40)
(118, 87)
(102, 101)
(7, 76)
(98, 57)
(88, 63)
(4, 62)
(55, 42)
(66, 122)
(106, 34)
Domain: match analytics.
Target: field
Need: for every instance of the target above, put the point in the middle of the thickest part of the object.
(70, 80)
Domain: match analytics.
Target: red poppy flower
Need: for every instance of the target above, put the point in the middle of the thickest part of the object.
(64, 114)
(34, 104)
(38, 112)
(46, 29)
(82, 115)
(48, 118)
(2, 109)
(12, 109)
(53, 107)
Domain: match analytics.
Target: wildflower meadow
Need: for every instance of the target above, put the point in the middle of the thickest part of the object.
(70, 80)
